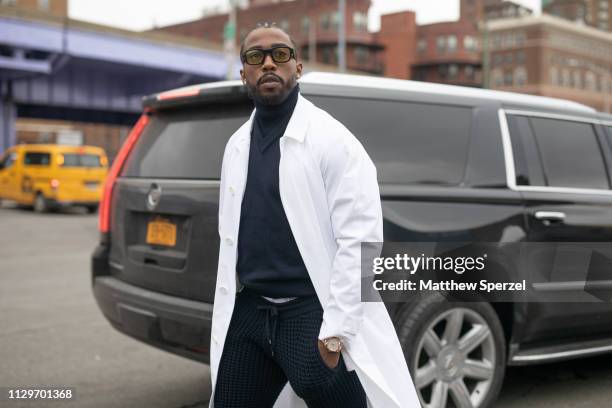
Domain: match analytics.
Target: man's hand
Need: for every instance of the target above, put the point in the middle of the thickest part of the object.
(331, 359)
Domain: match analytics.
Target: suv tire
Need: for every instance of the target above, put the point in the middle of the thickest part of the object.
(437, 358)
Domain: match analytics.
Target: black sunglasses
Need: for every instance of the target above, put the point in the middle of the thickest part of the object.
(256, 56)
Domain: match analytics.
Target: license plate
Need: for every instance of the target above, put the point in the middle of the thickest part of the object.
(161, 232)
(92, 185)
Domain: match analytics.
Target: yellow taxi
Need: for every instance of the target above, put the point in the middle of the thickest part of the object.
(49, 176)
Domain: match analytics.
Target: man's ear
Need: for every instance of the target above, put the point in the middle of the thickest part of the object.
(242, 76)
(298, 69)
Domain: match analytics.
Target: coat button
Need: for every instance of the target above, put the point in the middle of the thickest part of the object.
(215, 339)
(223, 290)
(229, 241)
(232, 190)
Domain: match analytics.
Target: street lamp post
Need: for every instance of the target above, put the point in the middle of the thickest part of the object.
(341, 36)
(229, 39)
(485, 52)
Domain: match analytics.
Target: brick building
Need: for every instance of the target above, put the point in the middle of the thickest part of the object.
(595, 13)
(553, 57)
(479, 10)
(448, 52)
(311, 22)
(57, 8)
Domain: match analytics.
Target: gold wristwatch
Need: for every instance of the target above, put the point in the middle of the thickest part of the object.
(333, 344)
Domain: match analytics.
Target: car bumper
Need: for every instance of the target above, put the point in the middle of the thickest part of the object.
(173, 324)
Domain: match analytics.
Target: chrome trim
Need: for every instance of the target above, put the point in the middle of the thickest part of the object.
(552, 116)
(509, 154)
(549, 215)
(563, 190)
(561, 354)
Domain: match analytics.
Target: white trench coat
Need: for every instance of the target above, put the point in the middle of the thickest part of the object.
(330, 195)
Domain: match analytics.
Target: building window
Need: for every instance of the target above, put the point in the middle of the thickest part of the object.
(451, 43)
(305, 24)
(590, 82)
(325, 21)
(453, 70)
(554, 75)
(284, 24)
(44, 4)
(508, 78)
(520, 76)
(469, 43)
(335, 19)
(509, 58)
(565, 77)
(362, 55)
(422, 45)
(330, 55)
(360, 21)
(441, 44)
(469, 72)
(577, 79)
(442, 71)
(498, 59)
(8, 2)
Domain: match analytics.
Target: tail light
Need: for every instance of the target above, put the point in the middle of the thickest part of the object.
(113, 173)
(54, 183)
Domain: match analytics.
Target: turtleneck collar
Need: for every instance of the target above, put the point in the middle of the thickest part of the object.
(269, 113)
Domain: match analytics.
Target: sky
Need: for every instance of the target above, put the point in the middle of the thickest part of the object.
(141, 15)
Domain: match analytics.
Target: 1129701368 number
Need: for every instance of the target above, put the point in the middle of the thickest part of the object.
(40, 393)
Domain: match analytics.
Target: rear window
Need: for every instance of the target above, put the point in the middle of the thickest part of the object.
(186, 144)
(570, 153)
(81, 160)
(408, 142)
(37, 159)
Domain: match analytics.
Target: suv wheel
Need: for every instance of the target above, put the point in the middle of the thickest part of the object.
(456, 352)
(40, 204)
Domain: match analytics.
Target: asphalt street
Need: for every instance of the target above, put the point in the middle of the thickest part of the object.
(54, 336)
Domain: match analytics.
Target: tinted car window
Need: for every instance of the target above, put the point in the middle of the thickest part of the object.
(570, 153)
(527, 164)
(37, 159)
(81, 160)
(408, 142)
(186, 144)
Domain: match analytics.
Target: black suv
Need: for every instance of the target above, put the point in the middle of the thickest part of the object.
(454, 164)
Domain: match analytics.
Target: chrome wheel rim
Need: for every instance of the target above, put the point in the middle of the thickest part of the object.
(455, 360)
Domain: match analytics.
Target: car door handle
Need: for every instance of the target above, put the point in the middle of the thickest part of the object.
(550, 217)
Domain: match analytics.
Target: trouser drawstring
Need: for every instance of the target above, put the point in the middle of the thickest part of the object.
(271, 313)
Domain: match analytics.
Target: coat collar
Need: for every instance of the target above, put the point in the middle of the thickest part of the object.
(296, 128)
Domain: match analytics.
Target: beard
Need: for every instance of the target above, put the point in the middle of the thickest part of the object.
(272, 98)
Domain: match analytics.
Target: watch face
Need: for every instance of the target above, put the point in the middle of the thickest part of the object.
(333, 345)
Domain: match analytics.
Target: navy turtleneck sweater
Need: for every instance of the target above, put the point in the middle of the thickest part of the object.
(269, 261)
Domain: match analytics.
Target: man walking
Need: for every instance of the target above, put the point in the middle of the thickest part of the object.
(298, 195)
